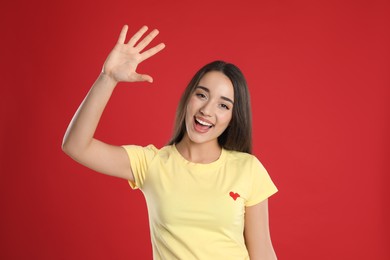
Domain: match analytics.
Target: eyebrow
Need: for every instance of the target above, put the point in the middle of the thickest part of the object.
(222, 97)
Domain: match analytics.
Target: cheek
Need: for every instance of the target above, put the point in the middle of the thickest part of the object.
(189, 112)
(190, 105)
(226, 118)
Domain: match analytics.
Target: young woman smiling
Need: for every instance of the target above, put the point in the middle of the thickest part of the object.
(207, 196)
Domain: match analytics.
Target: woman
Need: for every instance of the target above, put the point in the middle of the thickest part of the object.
(206, 194)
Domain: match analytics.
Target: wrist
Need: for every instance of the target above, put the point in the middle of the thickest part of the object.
(110, 81)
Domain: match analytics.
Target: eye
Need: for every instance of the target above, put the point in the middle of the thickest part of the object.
(200, 95)
(224, 106)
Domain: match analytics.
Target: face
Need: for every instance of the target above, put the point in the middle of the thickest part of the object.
(209, 109)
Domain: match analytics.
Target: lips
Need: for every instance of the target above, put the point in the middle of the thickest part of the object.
(202, 125)
(203, 121)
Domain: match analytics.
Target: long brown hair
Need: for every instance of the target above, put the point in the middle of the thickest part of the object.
(238, 135)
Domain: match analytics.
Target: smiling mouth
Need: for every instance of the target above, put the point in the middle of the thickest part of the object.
(202, 126)
(202, 123)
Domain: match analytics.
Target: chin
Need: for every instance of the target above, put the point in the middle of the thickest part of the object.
(201, 139)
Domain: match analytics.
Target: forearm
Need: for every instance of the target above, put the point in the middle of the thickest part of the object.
(260, 248)
(262, 251)
(82, 127)
(257, 234)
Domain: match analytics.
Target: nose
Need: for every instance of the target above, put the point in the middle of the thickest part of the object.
(206, 109)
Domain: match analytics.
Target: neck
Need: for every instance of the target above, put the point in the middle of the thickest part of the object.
(199, 153)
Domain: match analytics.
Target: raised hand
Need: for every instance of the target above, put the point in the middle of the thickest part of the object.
(122, 62)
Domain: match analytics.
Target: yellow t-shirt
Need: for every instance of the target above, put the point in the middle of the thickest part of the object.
(196, 211)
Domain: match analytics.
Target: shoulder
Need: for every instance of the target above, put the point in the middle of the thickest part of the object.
(141, 149)
(148, 153)
(163, 152)
(245, 162)
(166, 152)
(241, 157)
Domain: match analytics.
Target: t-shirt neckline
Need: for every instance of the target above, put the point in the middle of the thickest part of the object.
(211, 165)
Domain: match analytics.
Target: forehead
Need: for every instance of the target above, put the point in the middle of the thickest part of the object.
(218, 84)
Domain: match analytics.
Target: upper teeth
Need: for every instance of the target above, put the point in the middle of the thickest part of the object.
(203, 123)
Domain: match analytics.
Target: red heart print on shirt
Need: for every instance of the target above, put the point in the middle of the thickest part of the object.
(234, 195)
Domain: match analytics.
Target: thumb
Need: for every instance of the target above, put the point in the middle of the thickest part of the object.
(144, 77)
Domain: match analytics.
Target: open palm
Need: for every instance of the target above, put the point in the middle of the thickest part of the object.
(121, 64)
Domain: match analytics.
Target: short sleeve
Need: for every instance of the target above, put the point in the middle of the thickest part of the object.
(140, 158)
(262, 186)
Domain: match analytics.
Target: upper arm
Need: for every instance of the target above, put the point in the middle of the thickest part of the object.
(257, 235)
(105, 158)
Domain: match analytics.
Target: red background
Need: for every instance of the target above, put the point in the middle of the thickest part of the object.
(318, 73)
